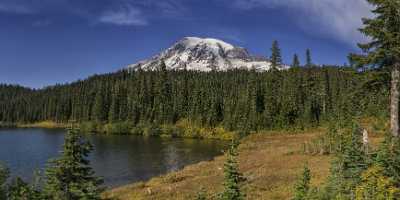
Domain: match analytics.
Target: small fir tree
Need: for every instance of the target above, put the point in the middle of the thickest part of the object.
(4, 173)
(70, 176)
(348, 167)
(19, 190)
(233, 177)
(201, 195)
(302, 187)
(388, 158)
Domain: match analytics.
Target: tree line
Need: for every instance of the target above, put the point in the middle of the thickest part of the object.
(236, 100)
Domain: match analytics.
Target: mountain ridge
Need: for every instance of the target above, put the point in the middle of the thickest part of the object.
(205, 54)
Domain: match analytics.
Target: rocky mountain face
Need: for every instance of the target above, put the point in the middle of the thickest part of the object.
(205, 54)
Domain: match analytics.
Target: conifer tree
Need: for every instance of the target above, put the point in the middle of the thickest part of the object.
(328, 93)
(233, 177)
(308, 58)
(165, 92)
(237, 99)
(383, 51)
(296, 61)
(4, 173)
(99, 110)
(314, 106)
(70, 176)
(388, 157)
(19, 190)
(201, 195)
(113, 114)
(302, 186)
(276, 57)
(348, 167)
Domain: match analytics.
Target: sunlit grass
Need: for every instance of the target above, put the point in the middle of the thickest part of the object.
(271, 162)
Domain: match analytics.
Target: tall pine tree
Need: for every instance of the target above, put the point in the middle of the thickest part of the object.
(308, 58)
(276, 57)
(296, 61)
(383, 50)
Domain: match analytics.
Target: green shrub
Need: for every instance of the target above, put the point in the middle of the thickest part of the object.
(19, 190)
(328, 143)
(375, 185)
(152, 130)
(303, 185)
(201, 195)
(118, 128)
(89, 127)
(4, 173)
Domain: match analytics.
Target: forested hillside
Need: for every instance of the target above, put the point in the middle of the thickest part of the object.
(235, 100)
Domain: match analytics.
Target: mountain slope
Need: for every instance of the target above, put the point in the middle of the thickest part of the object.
(205, 54)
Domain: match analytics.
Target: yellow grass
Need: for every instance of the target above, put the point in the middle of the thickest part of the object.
(43, 124)
(271, 162)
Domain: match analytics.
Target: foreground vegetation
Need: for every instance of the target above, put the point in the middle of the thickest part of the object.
(269, 161)
(266, 165)
(271, 164)
(68, 177)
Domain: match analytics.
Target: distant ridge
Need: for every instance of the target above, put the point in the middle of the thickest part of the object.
(205, 54)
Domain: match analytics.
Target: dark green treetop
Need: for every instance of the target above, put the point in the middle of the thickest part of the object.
(296, 61)
(302, 186)
(4, 173)
(383, 32)
(308, 58)
(276, 57)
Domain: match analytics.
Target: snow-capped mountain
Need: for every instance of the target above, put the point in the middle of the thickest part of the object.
(205, 54)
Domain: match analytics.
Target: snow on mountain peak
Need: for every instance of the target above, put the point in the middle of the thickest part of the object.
(204, 54)
(194, 41)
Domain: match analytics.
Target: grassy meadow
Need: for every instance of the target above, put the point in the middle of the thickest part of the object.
(271, 163)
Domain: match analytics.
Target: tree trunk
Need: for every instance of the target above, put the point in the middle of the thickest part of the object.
(394, 100)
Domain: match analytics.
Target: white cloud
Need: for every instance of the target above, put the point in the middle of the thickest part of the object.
(42, 23)
(171, 8)
(15, 8)
(335, 18)
(124, 16)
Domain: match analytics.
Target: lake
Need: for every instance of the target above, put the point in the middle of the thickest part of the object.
(119, 159)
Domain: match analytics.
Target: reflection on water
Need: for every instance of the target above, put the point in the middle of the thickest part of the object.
(119, 159)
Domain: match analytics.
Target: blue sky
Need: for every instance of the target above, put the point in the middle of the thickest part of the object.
(57, 41)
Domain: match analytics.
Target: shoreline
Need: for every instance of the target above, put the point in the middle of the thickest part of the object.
(44, 124)
(180, 130)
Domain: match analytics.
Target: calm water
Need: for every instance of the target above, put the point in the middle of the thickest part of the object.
(119, 159)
